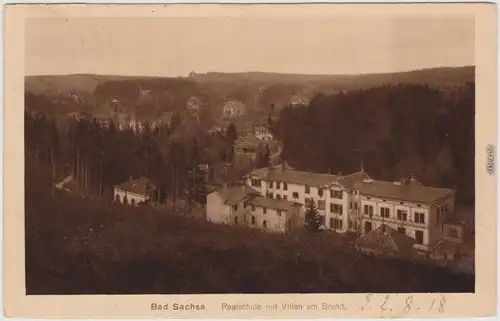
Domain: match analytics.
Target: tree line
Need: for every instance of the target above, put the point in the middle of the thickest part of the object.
(392, 131)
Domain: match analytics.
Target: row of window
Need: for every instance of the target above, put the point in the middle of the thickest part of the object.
(333, 193)
(278, 185)
(253, 221)
(402, 215)
(278, 196)
(336, 223)
(334, 208)
(252, 207)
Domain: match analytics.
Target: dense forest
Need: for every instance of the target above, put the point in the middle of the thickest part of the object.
(395, 131)
(91, 246)
(99, 157)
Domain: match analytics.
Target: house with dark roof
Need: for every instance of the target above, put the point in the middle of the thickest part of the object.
(134, 191)
(419, 211)
(243, 205)
(247, 147)
(245, 150)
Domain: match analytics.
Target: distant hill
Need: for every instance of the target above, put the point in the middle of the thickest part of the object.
(444, 76)
(146, 97)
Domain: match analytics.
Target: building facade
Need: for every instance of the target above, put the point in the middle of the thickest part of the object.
(408, 206)
(263, 133)
(357, 203)
(242, 205)
(245, 150)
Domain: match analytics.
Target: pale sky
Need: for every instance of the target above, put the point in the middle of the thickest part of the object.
(175, 47)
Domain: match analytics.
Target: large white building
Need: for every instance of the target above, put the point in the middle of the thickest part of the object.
(243, 205)
(360, 204)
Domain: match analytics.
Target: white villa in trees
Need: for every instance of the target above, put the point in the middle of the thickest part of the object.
(243, 205)
(134, 191)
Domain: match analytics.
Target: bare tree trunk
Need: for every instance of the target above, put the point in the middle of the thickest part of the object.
(86, 175)
(158, 191)
(175, 186)
(187, 194)
(100, 179)
(77, 166)
(53, 170)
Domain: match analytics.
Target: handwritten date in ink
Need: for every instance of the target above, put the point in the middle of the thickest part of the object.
(405, 304)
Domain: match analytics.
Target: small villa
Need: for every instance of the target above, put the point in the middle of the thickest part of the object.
(134, 191)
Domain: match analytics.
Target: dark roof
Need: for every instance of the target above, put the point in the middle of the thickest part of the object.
(249, 141)
(272, 203)
(349, 181)
(386, 240)
(235, 194)
(414, 192)
(276, 173)
(137, 186)
(262, 129)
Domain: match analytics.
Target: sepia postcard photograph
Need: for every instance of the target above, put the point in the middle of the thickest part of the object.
(313, 161)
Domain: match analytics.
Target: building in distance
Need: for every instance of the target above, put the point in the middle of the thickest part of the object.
(134, 191)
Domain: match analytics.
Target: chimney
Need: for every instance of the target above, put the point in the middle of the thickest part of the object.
(130, 178)
(283, 167)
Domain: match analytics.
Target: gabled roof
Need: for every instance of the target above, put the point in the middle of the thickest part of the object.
(262, 201)
(262, 129)
(138, 186)
(249, 141)
(349, 181)
(412, 192)
(235, 194)
(386, 241)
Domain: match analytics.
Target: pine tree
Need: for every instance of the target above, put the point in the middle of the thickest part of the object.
(231, 133)
(313, 219)
(263, 158)
(270, 122)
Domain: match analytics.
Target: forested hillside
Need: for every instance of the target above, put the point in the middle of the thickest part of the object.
(257, 90)
(100, 157)
(396, 130)
(92, 246)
